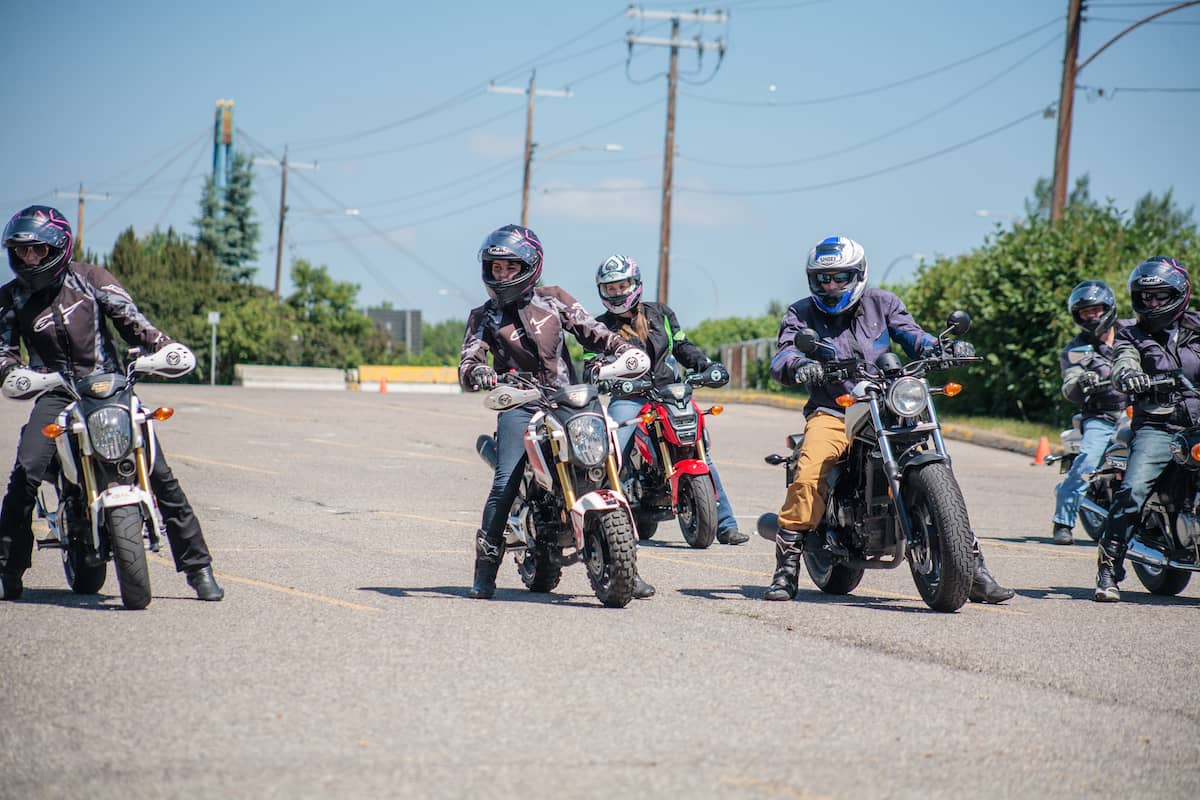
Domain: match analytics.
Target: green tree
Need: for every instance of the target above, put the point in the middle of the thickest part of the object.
(226, 223)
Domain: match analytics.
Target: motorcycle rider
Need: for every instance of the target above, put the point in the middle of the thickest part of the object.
(1164, 338)
(654, 328)
(57, 307)
(1093, 306)
(856, 321)
(522, 325)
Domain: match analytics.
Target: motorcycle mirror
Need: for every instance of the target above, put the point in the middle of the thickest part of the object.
(1081, 354)
(806, 341)
(958, 323)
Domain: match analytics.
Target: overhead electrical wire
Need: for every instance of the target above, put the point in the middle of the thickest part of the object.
(179, 188)
(881, 87)
(125, 198)
(425, 142)
(886, 134)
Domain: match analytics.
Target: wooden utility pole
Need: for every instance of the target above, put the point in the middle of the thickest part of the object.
(530, 93)
(664, 240)
(81, 196)
(1066, 105)
(284, 165)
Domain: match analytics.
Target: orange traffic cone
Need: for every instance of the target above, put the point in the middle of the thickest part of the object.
(383, 386)
(1043, 450)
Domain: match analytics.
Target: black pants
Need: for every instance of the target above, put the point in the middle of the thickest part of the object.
(36, 461)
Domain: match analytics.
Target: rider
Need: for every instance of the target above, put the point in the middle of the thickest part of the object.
(1164, 338)
(654, 328)
(522, 326)
(58, 308)
(1093, 306)
(859, 322)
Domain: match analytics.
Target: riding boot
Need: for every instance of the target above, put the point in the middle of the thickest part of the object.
(1110, 569)
(488, 554)
(641, 589)
(788, 547)
(984, 588)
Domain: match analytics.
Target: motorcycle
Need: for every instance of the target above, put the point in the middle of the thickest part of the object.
(100, 507)
(893, 496)
(1164, 546)
(569, 505)
(666, 473)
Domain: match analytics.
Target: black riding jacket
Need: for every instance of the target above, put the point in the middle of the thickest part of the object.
(666, 338)
(1107, 403)
(64, 328)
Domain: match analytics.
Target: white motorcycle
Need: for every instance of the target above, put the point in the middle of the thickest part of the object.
(101, 507)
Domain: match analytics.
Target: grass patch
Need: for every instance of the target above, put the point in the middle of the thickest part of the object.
(1012, 427)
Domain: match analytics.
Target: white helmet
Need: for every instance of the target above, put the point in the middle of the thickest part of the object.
(844, 259)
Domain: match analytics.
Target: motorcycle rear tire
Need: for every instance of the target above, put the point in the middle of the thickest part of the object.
(698, 510)
(1162, 581)
(125, 526)
(831, 578)
(1093, 524)
(647, 526)
(935, 504)
(83, 578)
(538, 572)
(611, 558)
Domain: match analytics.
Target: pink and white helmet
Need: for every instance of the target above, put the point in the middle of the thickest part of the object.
(615, 269)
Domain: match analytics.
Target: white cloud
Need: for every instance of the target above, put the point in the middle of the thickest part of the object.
(634, 201)
(495, 145)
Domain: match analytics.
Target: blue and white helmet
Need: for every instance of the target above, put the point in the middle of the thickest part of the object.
(832, 257)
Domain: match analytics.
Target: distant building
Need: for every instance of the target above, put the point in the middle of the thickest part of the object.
(401, 326)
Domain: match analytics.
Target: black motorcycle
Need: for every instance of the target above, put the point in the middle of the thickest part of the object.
(893, 496)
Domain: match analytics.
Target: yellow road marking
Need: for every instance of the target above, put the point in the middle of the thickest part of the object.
(427, 519)
(389, 451)
(274, 587)
(1046, 551)
(198, 459)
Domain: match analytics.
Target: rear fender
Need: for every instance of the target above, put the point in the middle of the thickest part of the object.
(595, 502)
(689, 466)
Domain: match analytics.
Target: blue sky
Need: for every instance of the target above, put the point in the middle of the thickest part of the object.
(389, 99)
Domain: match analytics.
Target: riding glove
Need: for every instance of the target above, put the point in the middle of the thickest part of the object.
(483, 377)
(809, 371)
(1088, 381)
(1133, 382)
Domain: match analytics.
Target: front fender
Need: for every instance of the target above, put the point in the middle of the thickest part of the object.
(689, 466)
(916, 458)
(127, 495)
(592, 503)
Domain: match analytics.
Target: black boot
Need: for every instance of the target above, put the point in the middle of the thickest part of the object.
(732, 536)
(984, 588)
(1110, 565)
(11, 586)
(487, 563)
(788, 547)
(1062, 535)
(641, 589)
(201, 579)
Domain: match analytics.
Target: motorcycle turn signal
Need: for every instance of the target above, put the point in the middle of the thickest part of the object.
(845, 400)
(163, 414)
(53, 431)
(715, 410)
(951, 389)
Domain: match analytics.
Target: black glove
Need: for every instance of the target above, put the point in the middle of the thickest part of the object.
(1133, 381)
(483, 377)
(1088, 381)
(959, 350)
(809, 371)
(715, 374)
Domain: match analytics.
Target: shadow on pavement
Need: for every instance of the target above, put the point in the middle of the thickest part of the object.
(503, 595)
(1129, 595)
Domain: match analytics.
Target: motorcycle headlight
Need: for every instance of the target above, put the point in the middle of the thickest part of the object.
(589, 439)
(111, 432)
(907, 397)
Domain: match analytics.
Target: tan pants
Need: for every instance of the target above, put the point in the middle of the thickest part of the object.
(824, 443)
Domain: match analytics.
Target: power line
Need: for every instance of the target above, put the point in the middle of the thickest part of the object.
(1102, 92)
(179, 188)
(881, 87)
(424, 142)
(1152, 22)
(886, 134)
(874, 173)
(112, 210)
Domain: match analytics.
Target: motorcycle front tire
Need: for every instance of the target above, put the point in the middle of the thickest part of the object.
(611, 557)
(125, 526)
(936, 505)
(698, 510)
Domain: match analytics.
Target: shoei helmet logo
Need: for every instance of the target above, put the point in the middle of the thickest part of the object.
(827, 260)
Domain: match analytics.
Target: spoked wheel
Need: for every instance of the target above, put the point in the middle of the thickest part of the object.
(698, 510)
(611, 557)
(1159, 580)
(125, 526)
(939, 554)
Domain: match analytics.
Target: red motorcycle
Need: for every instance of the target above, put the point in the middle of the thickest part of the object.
(666, 472)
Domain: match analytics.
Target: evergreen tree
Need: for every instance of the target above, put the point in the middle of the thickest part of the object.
(226, 223)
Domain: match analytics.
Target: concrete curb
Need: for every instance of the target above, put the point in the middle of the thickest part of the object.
(998, 441)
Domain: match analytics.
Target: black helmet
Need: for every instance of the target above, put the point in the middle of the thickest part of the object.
(511, 243)
(1087, 295)
(39, 225)
(1156, 274)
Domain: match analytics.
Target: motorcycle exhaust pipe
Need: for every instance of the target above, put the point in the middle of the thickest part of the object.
(486, 447)
(1136, 551)
(1092, 506)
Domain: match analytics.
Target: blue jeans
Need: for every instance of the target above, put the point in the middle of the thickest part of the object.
(625, 409)
(510, 448)
(1149, 455)
(1097, 433)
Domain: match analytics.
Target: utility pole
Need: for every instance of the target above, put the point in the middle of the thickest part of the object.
(81, 196)
(1066, 105)
(530, 93)
(1062, 149)
(664, 246)
(284, 165)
